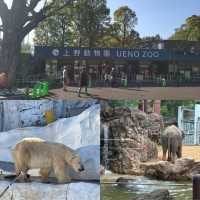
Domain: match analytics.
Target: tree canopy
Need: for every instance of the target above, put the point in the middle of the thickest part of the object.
(90, 24)
(169, 109)
(124, 21)
(190, 30)
(55, 30)
(81, 25)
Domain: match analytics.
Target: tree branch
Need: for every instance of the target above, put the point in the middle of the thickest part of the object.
(32, 5)
(36, 19)
(49, 11)
(39, 16)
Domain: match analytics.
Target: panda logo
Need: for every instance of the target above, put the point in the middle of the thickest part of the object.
(55, 52)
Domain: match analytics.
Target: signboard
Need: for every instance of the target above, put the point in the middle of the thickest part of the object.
(101, 53)
(187, 57)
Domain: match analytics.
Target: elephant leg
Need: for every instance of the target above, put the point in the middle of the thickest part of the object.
(173, 157)
(179, 152)
(169, 155)
(175, 149)
(164, 154)
(164, 147)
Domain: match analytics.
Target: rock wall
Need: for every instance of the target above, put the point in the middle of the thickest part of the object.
(181, 170)
(26, 113)
(133, 135)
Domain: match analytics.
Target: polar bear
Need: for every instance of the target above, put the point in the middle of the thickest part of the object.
(35, 153)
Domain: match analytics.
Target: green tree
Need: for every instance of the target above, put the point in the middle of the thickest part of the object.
(125, 20)
(91, 17)
(148, 41)
(110, 37)
(26, 48)
(55, 30)
(169, 109)
(124, 103)
(80, 25)
(190, 30)
(16, 22)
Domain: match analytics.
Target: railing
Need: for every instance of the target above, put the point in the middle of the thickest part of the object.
(196, 187)
(31, 81)
(166, 80)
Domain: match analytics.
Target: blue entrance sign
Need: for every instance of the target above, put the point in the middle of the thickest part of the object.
(101, 53)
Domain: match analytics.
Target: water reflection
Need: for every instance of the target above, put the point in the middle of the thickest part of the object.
(141, 185)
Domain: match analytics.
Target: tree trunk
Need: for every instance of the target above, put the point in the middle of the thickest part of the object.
(124, 35)
(10, 56)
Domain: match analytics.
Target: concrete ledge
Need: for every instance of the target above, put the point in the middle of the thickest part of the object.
(40, 191)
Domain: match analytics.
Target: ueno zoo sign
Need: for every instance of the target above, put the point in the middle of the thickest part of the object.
(101, 53)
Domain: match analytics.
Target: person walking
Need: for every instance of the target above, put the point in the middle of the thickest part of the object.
(113, 77)
(65, 78)
(106, 75)
(83, 82)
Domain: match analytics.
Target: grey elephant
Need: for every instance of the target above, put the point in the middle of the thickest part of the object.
(171, 141)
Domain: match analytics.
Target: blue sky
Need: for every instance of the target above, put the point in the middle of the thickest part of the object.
(159, 16)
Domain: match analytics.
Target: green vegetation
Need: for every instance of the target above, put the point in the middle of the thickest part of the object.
(190, 30)
(124, 103)
(79, 25)
(87, 24)
(169, 109)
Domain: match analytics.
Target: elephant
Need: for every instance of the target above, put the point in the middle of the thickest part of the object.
(171, 140)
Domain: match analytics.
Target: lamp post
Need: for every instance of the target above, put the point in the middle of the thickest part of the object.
(196, 187)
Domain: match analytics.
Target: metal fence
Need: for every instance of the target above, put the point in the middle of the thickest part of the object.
(188, 127)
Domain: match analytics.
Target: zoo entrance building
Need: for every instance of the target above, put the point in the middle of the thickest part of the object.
(176, 63)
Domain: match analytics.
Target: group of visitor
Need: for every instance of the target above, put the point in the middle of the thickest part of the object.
(108, 75)
(83, 82)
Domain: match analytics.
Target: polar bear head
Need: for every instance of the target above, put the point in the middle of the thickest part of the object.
(76, 163)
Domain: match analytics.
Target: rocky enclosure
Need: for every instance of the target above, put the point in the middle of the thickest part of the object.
(133, 138)
(181, 170)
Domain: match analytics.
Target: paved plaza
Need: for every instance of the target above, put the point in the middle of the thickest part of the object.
(172, 93)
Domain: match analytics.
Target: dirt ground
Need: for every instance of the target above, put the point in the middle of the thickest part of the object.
(172, 93)
(188, 152)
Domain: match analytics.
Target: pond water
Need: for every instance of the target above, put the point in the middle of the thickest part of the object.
(141, 185)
